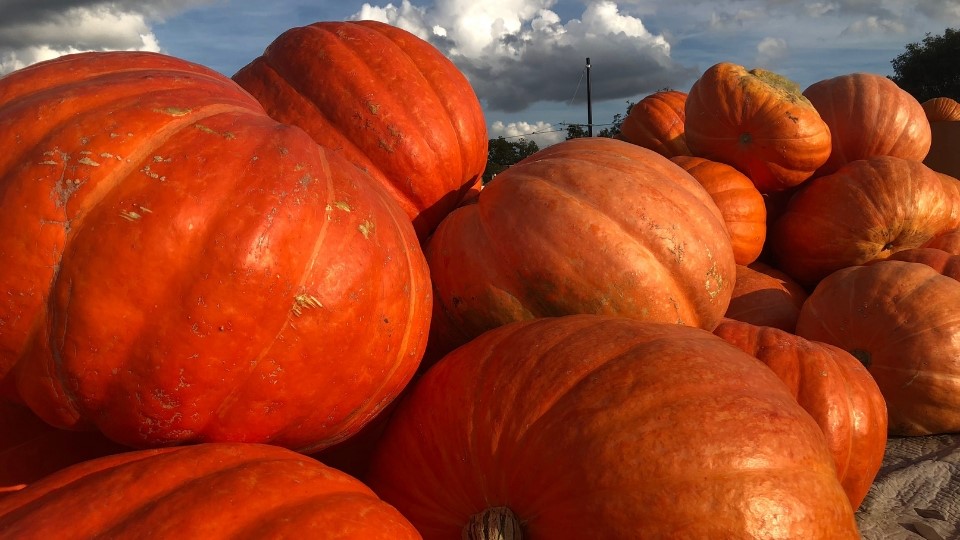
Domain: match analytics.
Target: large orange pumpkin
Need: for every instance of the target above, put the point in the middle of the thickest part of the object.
(741, 204)
(757, 121)
(180, 267)
(600, 427)
(869, 115)
(591, 225)
(900, 319)
(765, 296)
(211, 491)
(866, 210)
(834, 387)
(941, 109)
(657, 122)
(388, 100)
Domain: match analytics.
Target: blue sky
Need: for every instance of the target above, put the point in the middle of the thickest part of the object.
(525, 58)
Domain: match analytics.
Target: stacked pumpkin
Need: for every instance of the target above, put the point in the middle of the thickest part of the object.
(223, 276)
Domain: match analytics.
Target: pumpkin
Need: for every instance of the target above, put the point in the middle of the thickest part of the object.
(757, 121)
(831, 385)
(741, 204)
(590, 225)
(657, 122)
(213, 490)
(614, 426)
(765, 296)
(866, 210)
(948, 241)
(31, 449)
(946, 263)
(388, 100)
(899, 319)
(869, 115)
(187, 269)
(942, 108)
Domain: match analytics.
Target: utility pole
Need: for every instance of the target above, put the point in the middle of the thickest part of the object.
(589, 104)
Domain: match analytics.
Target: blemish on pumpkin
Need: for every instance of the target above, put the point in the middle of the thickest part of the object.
(88, 161)
(306, 179)
(304, 301)
(373, 108)
(366, 228)
(130, 215)
(342, 205)
(206, 129)
(174, 111)
(713, 275)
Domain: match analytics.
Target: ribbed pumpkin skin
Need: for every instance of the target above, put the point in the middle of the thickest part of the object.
(941, 109)
(765, 296)
(831, 385)
(869, 115)
(591, 225)
(948, 241)
(185, 269)
(388, 100)
(946, 263)
(657, 122)
(600, 427)
(866, 210)
(741, 204)
(757, 121)
(211, 491)
(899, 319)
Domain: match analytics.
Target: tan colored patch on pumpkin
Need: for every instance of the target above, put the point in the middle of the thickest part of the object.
(367, 228)
(174, 111)
(206, 129)
(304, 301)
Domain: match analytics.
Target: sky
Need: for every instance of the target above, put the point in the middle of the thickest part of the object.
(526, 59)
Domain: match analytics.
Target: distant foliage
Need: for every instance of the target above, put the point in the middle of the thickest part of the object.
(502, 153)
(930, 68)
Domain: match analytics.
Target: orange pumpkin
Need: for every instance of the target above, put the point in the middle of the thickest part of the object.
(186, 269)
(387, 100)
(831, 385)
(765, 296)
(657, 122)
(940, 109)
(211, 491)
(757, 121)
(741, 204)
(590, 225)
(627, 428)
(947, 264)
(866, 210)
(869, 115)
(900, 320)
(948, 241)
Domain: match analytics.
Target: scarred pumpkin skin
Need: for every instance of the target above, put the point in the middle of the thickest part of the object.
(214, 490)
(388, 100)
(741, 204)
(186, 269)
(831, 385)
(657, 122)
(765, 296)
(591, 225)
(617, 427)
(869, 115)
(757, 121)
(866, 210)
(899, 319)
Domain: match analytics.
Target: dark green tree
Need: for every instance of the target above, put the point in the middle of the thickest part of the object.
(614, 128)
(576, 131)
(931, 67)
(502, 153)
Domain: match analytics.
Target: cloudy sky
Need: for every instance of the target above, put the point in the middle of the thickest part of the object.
(525, 58)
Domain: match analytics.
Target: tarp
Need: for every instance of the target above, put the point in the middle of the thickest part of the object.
(916, 494)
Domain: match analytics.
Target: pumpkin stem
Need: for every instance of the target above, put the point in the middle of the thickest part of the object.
(497, 523)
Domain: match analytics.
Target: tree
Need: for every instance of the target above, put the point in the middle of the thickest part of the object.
(576, 131)
(930, 68)
(502, 153)
(614, 128)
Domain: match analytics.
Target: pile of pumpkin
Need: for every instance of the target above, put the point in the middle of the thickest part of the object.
(282, 304)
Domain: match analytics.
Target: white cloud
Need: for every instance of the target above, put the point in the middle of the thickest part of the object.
(517, 53)
(874, 25)
(31, 32)
(769, 51)
(542, 133)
